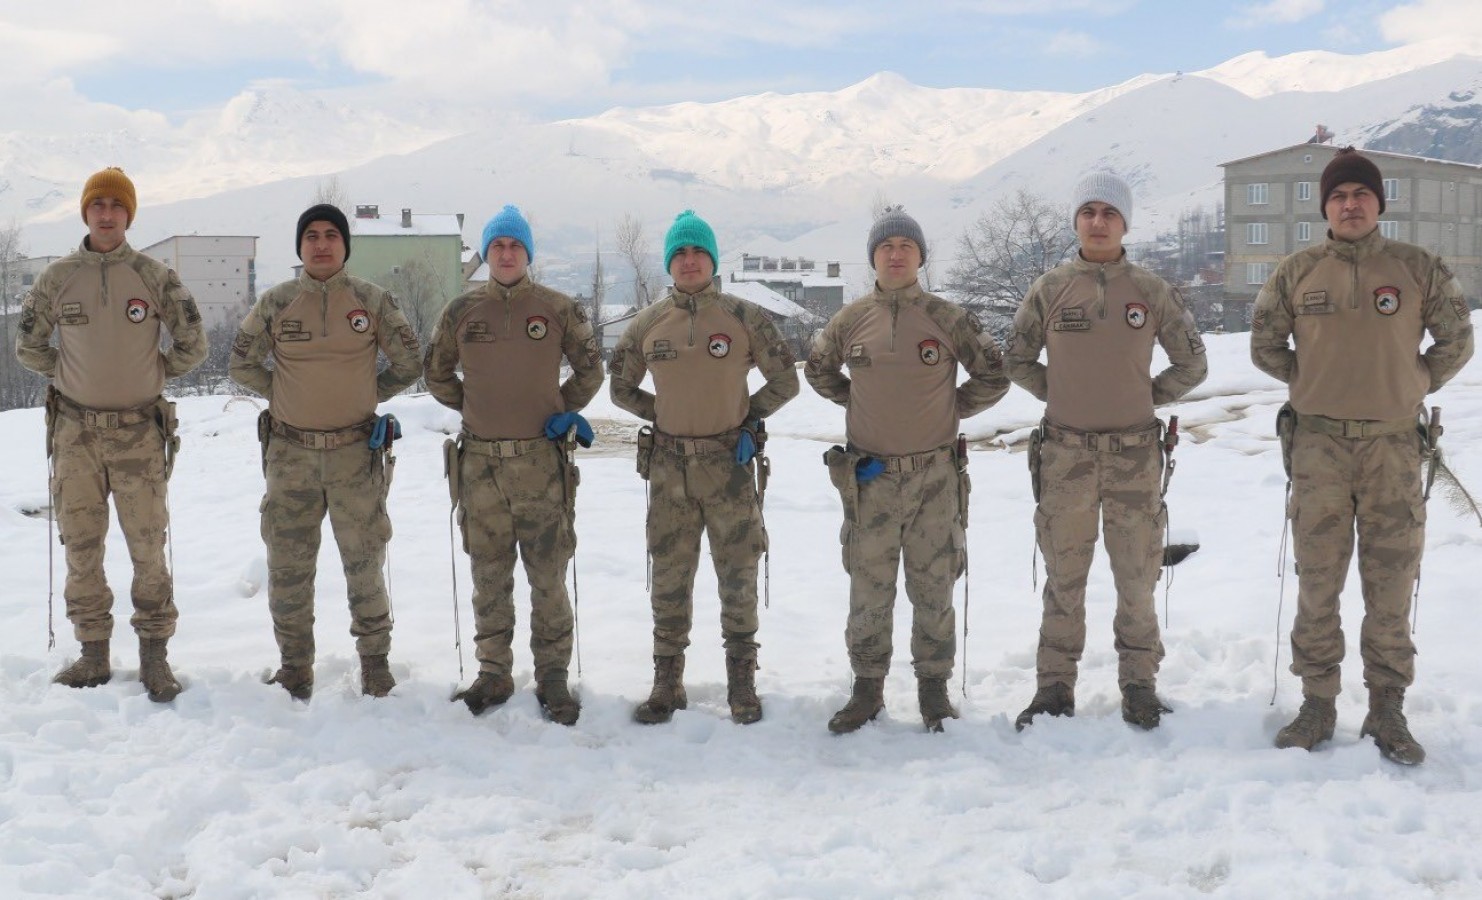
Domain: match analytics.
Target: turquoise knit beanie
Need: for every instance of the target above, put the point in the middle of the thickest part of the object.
(689, 230)
(508, 223)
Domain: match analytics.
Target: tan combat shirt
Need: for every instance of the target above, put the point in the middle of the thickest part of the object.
(903, 348)
(510, 342)
(1098, 322)
(323, 337)
(699, 348)
(1357, 312)
(109, 311)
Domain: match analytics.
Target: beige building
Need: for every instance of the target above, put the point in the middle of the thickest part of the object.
(1272, 208)
(220, 271)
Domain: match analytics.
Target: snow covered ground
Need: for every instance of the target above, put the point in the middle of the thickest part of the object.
(235, 791)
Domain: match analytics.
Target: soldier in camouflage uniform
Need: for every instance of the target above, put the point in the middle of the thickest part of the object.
(1342, 323)
(903, 485)
(323, 331)
(108, 429)
(1098, 453)
(515, 489)
(699, 344)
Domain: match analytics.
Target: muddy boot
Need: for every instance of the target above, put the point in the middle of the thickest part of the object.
(375, 676)
(746, 706)
(90, 670)
(668, 693)
(931, 695)
(1141, 706)
(556, 702)
(489, 689)
(865, 703)
(1313, 725)
(1056, 699)
(154, 671)
(298, 681)
(1386, 723)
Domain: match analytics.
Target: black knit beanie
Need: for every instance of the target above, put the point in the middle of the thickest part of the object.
(1350, 165)
(321, 212)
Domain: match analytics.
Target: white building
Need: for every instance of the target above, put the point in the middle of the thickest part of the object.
(220, 271)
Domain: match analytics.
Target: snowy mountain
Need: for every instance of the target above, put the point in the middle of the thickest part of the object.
(775, 173)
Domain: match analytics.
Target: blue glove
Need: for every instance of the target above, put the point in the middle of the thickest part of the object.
(745, 447)
(560, 423)
(387, 429)
(868, 469)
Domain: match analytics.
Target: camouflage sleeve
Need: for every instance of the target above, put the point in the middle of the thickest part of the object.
(626, 369)
(1271, 328)
(397, 340)
(182, 318)
(33, 342)
(825, 367)
(978, 353)
(580, 348)
(250, 350)
(1188, 365)
(440, 365)
(775, 360)
(1449, 322)
(1021, 359)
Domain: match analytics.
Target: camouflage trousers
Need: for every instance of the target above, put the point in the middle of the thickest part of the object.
(708, 492)
(914, 511)
(89, 464)
(1119, 491)
(1372, 484)
(513, 506)
(350, 484)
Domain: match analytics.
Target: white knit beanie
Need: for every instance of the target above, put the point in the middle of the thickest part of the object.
(1105, 188)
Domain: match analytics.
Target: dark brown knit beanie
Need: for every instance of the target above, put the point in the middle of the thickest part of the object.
(1350, 165)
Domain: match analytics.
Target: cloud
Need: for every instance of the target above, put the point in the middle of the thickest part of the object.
(1274, 12)
(1426, 20)
(1073, 44)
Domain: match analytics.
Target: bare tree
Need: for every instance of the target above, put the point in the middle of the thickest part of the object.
(18, 386)
(879, 204)
(419, 292)
(1005, 250)
(332, 191)
(632, 244)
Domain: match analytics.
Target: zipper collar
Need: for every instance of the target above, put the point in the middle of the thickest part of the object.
(508, 292)
(117, 254)
(693, 302)
(908, 294)
(340, 279)
(1106, 269)
(1366, 247)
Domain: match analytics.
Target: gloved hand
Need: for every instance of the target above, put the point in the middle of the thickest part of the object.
(379, 434)
(745, 447)
(868, 469)
(560, 423)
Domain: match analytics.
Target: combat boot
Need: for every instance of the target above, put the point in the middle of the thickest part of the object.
(866, 701)
(90, 670)
(556, 702)
(668, 693)
(1056, 699)
(375, 676)
(154, 671)
(489, 689)
(1314, 724)
(1386, 723)
(298, 681)
(746, 706)
(1141, 706)
(931, 695)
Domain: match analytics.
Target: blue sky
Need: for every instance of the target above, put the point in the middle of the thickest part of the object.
(558, 59)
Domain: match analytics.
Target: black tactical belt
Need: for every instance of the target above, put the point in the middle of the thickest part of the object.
(1355, 428)
(1103, 441)
(323, 440)
(104, 418)
(502, 449)
(696, 446)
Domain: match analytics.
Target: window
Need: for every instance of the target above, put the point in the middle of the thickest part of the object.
(1257, 273)
(1304, 190)
(1304, 232)
(1391, 188)
(1257, 194)
(1390, 230)
(1256, 233)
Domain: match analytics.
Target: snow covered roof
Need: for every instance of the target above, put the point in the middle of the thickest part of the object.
(423, 224)
(767, 299)
(480, 274)
(806, 279)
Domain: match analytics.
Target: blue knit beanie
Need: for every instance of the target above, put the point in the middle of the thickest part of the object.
(689, 230)
(508, 223)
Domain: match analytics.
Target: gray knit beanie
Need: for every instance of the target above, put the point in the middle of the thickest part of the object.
(1105, 188)
(895, 223)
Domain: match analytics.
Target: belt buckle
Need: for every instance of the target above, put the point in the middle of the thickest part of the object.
(1114, 443)
(94, 419)
(1353, 428)
(1093, 442)
(316, 440)
(505, 449)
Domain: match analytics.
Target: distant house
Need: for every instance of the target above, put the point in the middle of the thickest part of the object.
(418, 257)
(220, 271)
(796, 279)
(1272, 208)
